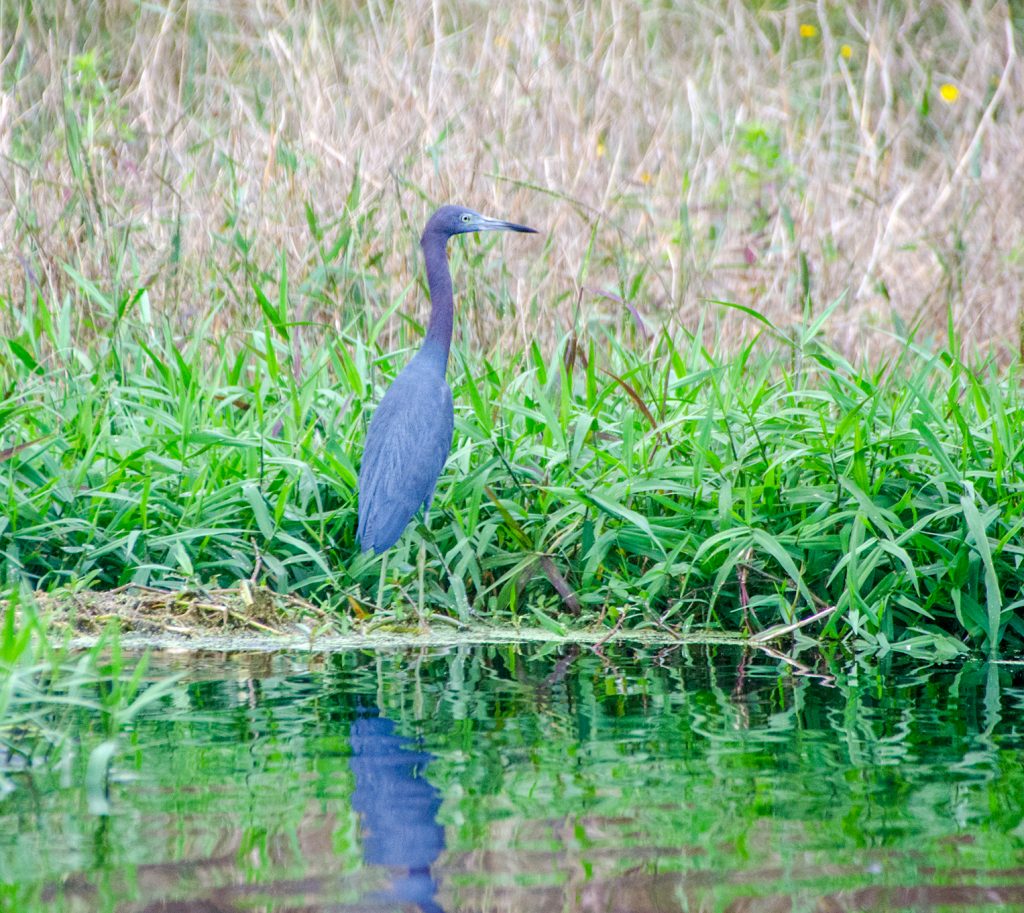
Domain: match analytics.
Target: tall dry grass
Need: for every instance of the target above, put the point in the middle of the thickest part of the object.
(774, 155)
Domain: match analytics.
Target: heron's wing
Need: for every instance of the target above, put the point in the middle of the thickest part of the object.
(407, 444)
(443, 447)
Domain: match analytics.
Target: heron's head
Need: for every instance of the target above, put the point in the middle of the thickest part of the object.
(457, 220)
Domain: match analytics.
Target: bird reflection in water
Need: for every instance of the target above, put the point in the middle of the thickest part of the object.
(397, 807)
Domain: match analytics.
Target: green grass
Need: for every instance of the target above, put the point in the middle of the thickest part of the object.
(655, 480)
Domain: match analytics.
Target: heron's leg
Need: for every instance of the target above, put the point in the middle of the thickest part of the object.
(383, 578)
(423, 574)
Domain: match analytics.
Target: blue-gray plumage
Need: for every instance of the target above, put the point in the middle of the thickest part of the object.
(411, 431)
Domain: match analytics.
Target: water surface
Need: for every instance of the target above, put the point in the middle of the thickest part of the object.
(537, 779)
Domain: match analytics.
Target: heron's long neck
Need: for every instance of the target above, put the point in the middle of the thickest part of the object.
(439, 278)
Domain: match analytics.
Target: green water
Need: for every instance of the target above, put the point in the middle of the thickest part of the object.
(535, 779)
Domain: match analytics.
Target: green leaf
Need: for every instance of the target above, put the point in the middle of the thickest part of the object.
(993, 596)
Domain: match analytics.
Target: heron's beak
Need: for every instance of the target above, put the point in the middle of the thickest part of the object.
(488, 224)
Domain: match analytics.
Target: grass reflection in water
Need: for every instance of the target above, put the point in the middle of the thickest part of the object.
(504, 778)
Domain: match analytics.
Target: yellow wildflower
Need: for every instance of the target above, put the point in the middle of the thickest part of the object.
(807, 30)
(646, 177)
(949, 93)
(845, 51)
(600, 147)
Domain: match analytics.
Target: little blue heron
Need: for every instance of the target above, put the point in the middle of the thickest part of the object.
(410, 434)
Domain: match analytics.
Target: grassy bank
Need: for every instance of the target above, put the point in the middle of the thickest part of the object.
(649, 484)
(212, 213)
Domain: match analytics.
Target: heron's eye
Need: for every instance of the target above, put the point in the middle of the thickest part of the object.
(465, 217)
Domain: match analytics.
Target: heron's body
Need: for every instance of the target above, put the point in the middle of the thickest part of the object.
(410, 434)
(406, 448)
